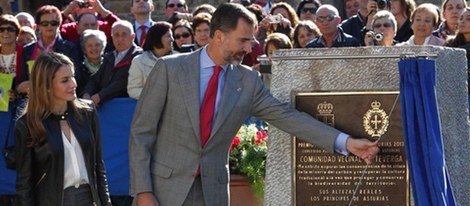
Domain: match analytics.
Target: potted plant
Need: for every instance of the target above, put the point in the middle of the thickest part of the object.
(248, 156)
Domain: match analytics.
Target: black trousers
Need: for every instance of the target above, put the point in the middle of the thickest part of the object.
(80, 196)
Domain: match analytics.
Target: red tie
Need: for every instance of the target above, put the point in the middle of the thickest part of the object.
(208, 106)
(143, 35)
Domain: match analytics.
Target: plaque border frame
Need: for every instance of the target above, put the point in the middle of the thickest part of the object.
(333, 93)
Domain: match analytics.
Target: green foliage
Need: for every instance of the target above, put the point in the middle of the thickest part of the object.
(248, 156)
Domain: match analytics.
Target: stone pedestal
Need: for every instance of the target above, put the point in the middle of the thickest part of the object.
(368, 74)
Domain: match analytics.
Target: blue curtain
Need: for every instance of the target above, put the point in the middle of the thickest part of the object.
(7, 176)
(423, 140)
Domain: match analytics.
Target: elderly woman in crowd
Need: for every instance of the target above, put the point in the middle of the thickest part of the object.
(402, 10)
(183, 36)
(93, 43)
(423, 21)
(157, 44)
(201, 27)
(451, 10)
(307, 9)
(305, 32)
(384, 28)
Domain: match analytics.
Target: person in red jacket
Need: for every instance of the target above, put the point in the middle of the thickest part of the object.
(88, 20)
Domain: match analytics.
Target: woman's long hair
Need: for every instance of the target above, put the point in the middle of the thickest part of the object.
(40, 99)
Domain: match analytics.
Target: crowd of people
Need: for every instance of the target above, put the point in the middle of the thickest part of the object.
(102, 45)
(113, 57)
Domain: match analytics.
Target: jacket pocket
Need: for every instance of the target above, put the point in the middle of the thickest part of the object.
(161, 170)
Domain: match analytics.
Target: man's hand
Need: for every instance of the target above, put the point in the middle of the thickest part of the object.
(146, 199)
(363, 148)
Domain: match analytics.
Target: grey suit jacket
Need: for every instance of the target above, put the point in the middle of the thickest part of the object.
(165, 143)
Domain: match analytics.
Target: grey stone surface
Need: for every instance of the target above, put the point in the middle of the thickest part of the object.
(368, 74)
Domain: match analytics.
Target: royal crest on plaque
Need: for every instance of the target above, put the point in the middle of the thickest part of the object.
(325, 113)
(375, 120)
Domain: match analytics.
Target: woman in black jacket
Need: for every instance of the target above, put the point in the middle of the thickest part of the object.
(58, 141)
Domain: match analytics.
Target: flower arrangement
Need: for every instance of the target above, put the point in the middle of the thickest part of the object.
(248, 156)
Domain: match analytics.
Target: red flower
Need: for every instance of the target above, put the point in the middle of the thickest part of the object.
(260, 136)
(235, 142)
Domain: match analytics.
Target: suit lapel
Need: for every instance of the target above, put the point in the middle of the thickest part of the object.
(190, 88)
(231, 93)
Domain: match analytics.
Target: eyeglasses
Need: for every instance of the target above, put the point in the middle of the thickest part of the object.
(173, 5)
(328, 18)
(311, 10)
(378, 25)
(183, 35)
(8, 29)
(49, 23)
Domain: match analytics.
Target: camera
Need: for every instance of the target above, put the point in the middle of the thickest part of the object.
(274, 19)
(382, 4)
(83, 4)
(378, 36)
(187, 48)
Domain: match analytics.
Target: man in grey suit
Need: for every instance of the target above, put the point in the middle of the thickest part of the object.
(171, 161)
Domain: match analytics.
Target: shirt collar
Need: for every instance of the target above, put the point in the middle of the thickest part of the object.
(148, 23)
(206, 61)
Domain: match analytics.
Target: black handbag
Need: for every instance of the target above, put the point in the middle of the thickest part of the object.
(8, 151)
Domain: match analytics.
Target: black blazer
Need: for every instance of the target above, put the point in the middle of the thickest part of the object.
(40, 169)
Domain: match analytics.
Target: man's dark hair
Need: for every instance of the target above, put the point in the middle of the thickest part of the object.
(226, 17)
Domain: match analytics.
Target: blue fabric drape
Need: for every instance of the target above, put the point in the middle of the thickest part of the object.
(7, 176)
(429, 178)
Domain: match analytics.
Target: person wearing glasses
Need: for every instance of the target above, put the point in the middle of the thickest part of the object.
(423, 21)
(48, 19)
(158, 44)
(173, 6)
(332, 35)
(142, 11)
(383, 31)
(307, 9)
(10, 51)
(183, 36)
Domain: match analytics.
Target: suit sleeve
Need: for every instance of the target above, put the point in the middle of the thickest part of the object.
(144, 128)
(284, 117)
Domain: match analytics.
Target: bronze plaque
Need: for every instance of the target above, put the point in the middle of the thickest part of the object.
(324, 179)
